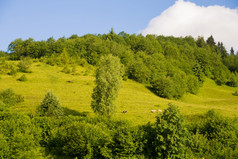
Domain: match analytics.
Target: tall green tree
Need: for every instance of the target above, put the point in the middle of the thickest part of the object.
(171, 134)
(108, 82)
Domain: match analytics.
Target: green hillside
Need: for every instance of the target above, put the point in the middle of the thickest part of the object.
(74, 92)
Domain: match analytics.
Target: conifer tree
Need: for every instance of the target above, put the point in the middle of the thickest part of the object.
(50, 106)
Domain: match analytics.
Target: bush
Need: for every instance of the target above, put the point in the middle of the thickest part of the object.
(9, 98)
(13, 71)
(66, 69)
(24, 65)
(163, 87)
(22, 78)
(84, 140)
(50, 106)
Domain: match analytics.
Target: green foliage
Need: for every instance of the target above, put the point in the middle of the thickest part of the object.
(50, 106)
(108, 83)
(146, 59)
(170, 134)
(3, 54)
(9, 98)
(13, 71)
(64, 57)
(66, 69)
(22, 78)
(215, 137)
(192, 84)
(24, 65)
(128, 141)
(84, 140)
(19, 137)
(170, 87)
(163, 87)
(140, 72)
(233, 82)
(2, 106)
(198, 72)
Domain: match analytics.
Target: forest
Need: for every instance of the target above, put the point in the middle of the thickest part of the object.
(169, 67)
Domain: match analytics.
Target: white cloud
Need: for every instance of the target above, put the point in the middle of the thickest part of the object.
(186, 18)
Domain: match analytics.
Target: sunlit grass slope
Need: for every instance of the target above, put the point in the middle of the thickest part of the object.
(74, 92)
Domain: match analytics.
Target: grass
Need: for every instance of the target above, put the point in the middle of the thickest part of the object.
(74, 92)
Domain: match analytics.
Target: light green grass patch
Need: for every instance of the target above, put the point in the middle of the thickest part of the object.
(74, 92)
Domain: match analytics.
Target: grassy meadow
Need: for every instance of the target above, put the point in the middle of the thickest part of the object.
(74, 92)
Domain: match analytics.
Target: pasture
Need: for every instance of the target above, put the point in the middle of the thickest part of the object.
(74, 92)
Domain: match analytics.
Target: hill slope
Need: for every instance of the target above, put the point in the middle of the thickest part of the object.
(74, 92)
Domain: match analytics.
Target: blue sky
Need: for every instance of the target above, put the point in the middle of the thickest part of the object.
(41, 19)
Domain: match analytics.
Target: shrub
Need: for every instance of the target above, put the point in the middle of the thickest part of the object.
(9, 98)
(84, 140)
(22, 78)
(13, 71)
(163, 87)
(66, 69)
(24, 65)
(50, 106)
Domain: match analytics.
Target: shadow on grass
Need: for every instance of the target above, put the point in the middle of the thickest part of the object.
(151, 90)
(72, 112)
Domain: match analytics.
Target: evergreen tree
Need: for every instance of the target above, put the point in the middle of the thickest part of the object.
(232, 51)
(210, 41)
(50, 106)
(108, 83)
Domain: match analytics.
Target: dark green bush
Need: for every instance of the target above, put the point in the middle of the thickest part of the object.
(84, 140)
(128, 141)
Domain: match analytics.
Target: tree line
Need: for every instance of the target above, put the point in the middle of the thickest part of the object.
(169, 66)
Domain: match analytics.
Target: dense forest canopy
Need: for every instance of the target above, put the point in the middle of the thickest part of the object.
(169, 66)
